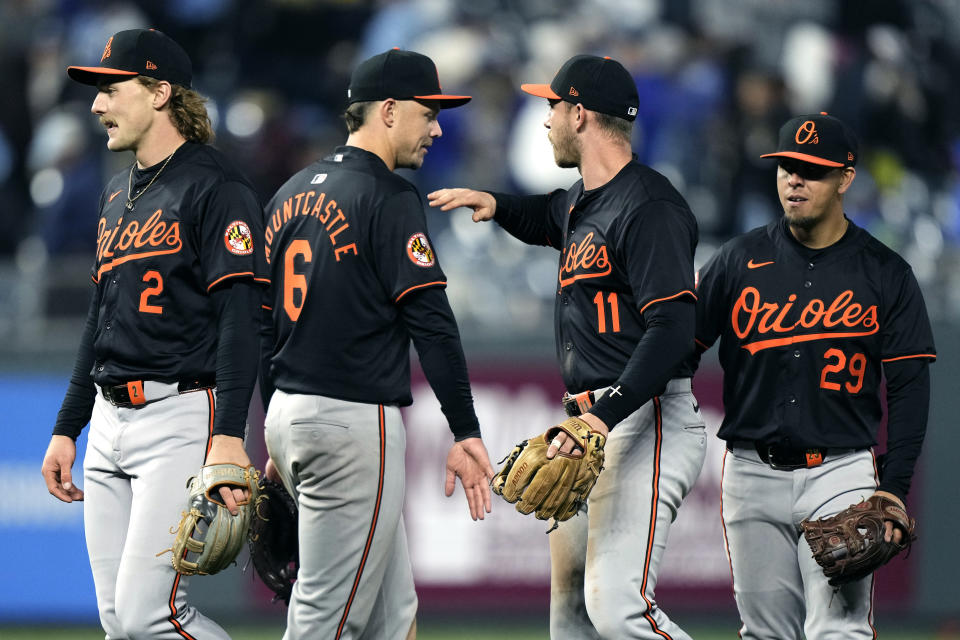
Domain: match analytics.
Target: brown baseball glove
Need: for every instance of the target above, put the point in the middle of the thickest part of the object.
(554, 488)
(850, 545)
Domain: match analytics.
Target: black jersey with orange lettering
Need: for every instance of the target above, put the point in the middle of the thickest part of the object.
(804, 334)
(624, 247)
(194, 228)
(347, 241)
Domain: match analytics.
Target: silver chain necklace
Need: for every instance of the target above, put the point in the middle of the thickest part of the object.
(130, 200)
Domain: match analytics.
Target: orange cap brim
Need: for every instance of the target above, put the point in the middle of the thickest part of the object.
(540, 90)
(804, 157)
(90, 75)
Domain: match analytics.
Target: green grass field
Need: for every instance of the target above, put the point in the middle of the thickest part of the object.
(473, 631)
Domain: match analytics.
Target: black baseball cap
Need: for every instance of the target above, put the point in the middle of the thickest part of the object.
(401, 75)
(817, 139)
(599, 84)
(138, 52)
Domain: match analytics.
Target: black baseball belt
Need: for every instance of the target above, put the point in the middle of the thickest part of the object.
(136, 393)
(786, 458)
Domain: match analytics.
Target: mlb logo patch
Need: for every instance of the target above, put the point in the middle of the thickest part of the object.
(631, 111)
(338, 157)
(317, 179)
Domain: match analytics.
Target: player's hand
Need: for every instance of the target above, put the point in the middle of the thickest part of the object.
(483, 204)
(563, 443)
(892, 533)
(56, 469)
(229, 449)
(270, 471)
(468, 460)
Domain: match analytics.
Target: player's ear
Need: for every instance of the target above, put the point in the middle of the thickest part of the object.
(388, 112)
(162, 93)
(579, 113)
(846, 179)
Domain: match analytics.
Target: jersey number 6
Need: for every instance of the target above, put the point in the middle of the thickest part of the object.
(293, 281)
(858, 366)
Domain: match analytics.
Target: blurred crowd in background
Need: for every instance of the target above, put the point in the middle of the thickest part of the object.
(716, 79)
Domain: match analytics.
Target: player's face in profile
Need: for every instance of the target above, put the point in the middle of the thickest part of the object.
(417, 126)
(808, 192)
(125, 108)
(561, 136)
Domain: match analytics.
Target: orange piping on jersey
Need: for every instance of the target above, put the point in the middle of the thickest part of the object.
(266, 308)
(654, 502)
(754, 347)
(373, 524)
(263, 280)
(420, 286)
(676, 295)
(135, 256)
(701, 345)
(229, 275)
(723, 525)
(173, 608)
(932, 356)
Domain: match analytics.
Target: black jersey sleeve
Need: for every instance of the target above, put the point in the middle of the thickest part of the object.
(908, 405)
(433, 329)
(666, 343)
(536, 220)
(905, 325)
(231, 231)
(656, 245)
(238, 304)
(77, 406)
(405, 260)
(711, 301)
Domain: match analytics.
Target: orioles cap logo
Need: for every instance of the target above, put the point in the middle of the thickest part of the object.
(574, 92)
(807, 133)
(106, 50)
(150, 65)
(849, 156)
(238, 239)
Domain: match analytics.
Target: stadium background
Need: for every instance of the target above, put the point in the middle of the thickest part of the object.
(716, 79)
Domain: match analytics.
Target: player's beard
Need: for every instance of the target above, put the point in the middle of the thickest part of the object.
(804, 223)
(565, 151)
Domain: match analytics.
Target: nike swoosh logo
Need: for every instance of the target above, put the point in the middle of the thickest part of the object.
(114, 195)
(756, 265)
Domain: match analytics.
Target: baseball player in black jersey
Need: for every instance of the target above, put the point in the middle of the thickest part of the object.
(357, 279)
(624, 321)
(168, 359)
(811, 311)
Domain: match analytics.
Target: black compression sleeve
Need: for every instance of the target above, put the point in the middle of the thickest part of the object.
(433, 329)
(908, 405)
(238, 310)
(267, 336)
(667, 341)
(524, 217)
(78, 401)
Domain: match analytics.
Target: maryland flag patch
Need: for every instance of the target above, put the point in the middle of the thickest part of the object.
(419, 251)
(238, 238)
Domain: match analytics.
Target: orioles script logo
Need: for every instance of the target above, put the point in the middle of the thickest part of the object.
(135, 240)
(842, 318)
(585, 260)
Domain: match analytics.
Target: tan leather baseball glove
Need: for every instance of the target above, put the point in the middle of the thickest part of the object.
(554, 488)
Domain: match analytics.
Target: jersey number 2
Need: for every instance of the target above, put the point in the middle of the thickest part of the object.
(602, 314)
(858, 366)
(155, 290)
(293, 281)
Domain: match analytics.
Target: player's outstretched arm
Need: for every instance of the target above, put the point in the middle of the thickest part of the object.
(483, 204)
(468, 460)
(57, 469)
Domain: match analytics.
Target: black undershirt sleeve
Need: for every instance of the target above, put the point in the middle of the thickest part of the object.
(238, 311)
(78, 401)
(267, 337)
(433, 329)
(526, 218)
(908, 405)
(665, 344)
